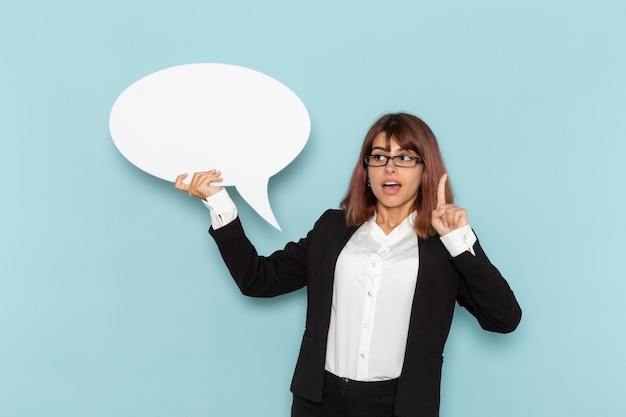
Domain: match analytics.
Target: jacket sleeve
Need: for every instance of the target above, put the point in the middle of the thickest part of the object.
(485, 293)
(260, 276)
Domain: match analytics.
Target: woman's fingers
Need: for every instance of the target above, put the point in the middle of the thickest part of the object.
(448, 217)
(456, 217)
(441, 190)
(179, 184)
(201, 184)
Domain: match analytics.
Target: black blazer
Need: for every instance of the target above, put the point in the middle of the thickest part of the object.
(471, 280)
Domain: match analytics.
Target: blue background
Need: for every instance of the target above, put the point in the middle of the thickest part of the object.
(113, 298)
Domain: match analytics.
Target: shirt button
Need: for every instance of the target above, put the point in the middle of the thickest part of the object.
(373, 264)
(366, 325)
(369, 293)
(363, 355)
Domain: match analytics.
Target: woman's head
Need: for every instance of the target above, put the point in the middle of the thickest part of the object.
(413, 136)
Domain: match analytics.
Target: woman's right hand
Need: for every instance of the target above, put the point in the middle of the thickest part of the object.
(201, 184)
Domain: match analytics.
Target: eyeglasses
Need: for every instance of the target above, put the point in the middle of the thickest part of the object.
(403, 161)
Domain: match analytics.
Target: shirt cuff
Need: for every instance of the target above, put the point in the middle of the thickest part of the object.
(221, 207)
(459, 241)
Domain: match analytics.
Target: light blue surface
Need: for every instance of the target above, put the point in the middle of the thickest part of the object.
(113, 299)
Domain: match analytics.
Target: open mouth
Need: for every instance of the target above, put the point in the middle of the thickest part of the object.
(391, 186)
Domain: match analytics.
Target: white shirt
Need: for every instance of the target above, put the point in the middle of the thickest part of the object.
(375, 278)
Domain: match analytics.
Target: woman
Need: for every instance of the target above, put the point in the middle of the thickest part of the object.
(382, 275)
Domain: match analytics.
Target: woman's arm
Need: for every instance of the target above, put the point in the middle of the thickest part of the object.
(256, 276)
(482, 289)
(261, 276)
(485, 293)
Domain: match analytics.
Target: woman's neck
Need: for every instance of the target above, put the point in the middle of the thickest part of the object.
(388, 219)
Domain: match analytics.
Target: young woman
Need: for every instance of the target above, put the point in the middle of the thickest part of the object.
(383, 274)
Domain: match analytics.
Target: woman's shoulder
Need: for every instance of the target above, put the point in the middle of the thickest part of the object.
(331, 218)
(334, 213)
(331, 227)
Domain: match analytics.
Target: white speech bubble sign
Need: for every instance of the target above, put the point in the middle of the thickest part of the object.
(196, 117)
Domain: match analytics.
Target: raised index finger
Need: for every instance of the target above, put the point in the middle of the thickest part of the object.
(441, 190)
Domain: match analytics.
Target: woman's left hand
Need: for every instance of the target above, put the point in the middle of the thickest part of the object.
(202, 185)
(447, 217)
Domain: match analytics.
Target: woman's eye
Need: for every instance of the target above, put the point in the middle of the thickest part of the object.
(379, 157)
(406, 157)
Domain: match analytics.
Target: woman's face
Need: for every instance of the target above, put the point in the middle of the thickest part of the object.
(395, 187)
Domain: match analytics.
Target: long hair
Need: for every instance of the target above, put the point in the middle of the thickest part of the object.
(411, 133)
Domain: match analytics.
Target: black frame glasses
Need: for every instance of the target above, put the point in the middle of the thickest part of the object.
(406, 161)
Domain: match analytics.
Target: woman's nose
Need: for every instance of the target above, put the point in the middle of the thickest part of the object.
(390, 167)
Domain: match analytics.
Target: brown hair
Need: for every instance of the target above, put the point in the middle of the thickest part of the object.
(411, 133)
